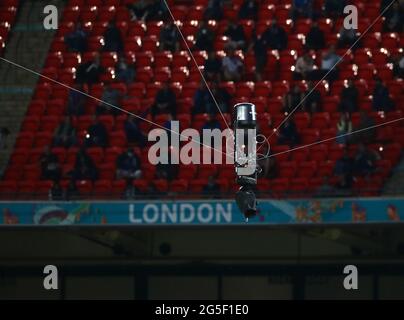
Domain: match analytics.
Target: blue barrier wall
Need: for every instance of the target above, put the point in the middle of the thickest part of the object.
(202, 212)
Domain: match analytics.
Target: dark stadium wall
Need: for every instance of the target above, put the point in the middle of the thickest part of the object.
(280, 285)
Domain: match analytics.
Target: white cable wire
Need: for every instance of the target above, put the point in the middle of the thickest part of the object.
(336, 137)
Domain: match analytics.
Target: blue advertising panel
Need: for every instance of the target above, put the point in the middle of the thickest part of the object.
(201, 212)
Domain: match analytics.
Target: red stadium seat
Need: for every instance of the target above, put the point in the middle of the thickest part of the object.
(42, 189)
(85, 187)
(117, 139)
(207, 170)
(307, 169)
(102, 188)
(49, 123)
(106, 13)
(390, 40)
(144, 75)
(287, 169)
(310, 135)
(298, 187)
(179, 186)
(160, 185)
(27, 189)
(302, 119)
(320, 120)
(137, 90)
(280, 186)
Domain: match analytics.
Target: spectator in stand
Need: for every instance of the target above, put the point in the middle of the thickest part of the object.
(304, 67)
(301, 8)
(84, 167)
(394, 18)
(56, 191)
(124, 71)
(347, 38)
(133, 132)
(169, 38)
(50, 167)
(204, 38)
(4, 133)
(312, 98)
(89, 72)
(214, 10)
(325, 189)
(288, 133)
(200, 97)
(165, 102)
(292, 99)
(248, 10)
(235, 33)
(212, 67)
(97, 135)
(349, 98)
(329, 64)
(131, 191)
(381, 97)
(128, 165)
(166, 171)
(111, 98)
(315, 39)
(398, 66)
(139, 10)
(204, 103)
(232, 65)
(65, 134)
(211, 122)
(275, 36)
(158, 11)
(368, 135)
(334, 8)
(147, 10)
(76, 101)
(71, 191)
(344, 171)
(211, 189)
(113, 38)
(223, 99)
(260, 48)
(344, 128)
(152, 192)
(365, 161)
(76, 41)
(387, 3)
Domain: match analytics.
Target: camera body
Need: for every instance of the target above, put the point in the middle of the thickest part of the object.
(245, 151)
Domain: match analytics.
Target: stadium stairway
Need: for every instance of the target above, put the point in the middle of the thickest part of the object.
(28, 45)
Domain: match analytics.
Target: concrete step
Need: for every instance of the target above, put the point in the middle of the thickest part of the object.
(12, 124)
(28, 46)
(10, 113)
(15, 93)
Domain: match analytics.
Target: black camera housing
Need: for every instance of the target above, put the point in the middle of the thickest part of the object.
(245, 118)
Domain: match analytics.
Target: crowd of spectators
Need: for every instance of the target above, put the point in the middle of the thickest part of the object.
(217, 69)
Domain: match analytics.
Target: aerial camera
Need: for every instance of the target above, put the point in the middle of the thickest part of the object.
(245, 157)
